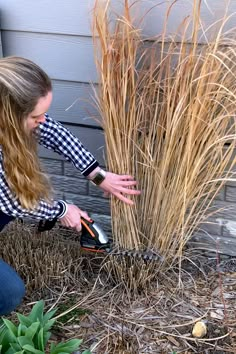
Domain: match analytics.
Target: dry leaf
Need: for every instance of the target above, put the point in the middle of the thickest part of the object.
(173, 341)
(217, 314)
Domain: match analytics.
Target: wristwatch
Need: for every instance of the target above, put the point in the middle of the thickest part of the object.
(98, 178)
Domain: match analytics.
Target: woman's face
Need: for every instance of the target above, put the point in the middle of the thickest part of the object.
(37, 116)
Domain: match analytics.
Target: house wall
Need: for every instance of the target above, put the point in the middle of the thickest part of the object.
(58, 38)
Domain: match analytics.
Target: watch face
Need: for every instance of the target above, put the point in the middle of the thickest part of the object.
(98, 179)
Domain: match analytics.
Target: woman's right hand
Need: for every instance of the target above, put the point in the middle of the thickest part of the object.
(72, 218)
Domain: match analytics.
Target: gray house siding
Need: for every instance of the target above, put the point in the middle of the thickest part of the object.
(0, 43)
(59, 40)
(58, 37)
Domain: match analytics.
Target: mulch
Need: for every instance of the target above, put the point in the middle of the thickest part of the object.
(111, 318)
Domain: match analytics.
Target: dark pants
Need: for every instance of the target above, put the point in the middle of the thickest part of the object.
(12, 288)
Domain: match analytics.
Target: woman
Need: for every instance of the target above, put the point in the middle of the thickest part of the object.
(25, 97)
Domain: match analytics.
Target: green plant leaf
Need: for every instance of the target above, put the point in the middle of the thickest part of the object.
(5, 338)
(48, 315)
(86, 352)
(47, 335)
(24, 341)
(1, 323)
(16, 346)
(10, 351)
(52, 346)
(40, 340)
(48, 325)
(36, 313)
(11, 327)
(31, 349)
(19, 329)
(67, 347)
(31, 330)
(24, 320)
(3, 331)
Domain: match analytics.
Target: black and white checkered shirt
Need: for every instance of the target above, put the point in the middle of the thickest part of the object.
(56, 137)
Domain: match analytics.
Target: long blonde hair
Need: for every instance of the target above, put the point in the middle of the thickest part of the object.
(22, 83)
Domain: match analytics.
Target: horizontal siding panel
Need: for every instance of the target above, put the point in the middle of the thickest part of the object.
(51, 166)
(92, 139)
(75, 17)
(69, 184)
(222, 210)
(65, 17)
(63, 57)
(0, 43)
(73, 102)
(90, 204)
(213, 243)
(211, 12)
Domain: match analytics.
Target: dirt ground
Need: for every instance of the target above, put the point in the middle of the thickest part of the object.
(110, 317)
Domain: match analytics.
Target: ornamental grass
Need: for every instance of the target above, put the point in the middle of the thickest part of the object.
(168, 113)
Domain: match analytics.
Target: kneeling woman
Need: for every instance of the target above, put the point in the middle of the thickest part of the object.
(25, 97)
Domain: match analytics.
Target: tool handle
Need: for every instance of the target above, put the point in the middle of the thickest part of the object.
(85, 221)
(47, 225)
(87, 226)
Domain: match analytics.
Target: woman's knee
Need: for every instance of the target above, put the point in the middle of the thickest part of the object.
(12, 289)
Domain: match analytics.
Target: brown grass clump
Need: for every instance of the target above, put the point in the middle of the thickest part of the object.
(168, 113)
(44, 260)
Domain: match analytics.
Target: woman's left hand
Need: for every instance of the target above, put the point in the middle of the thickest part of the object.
(120, 186)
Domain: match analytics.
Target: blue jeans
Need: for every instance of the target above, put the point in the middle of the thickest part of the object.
(12, 288)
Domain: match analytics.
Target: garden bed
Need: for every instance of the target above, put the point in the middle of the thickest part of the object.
(113, 319)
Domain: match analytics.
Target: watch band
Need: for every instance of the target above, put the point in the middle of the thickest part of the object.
(98, 178)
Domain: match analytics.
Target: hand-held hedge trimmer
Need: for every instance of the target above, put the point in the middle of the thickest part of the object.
(94, 239)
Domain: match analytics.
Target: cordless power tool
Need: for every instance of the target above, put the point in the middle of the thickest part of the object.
(94, 239)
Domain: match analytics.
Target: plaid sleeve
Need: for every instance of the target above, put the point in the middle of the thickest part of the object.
(56, 137)
(10, 205)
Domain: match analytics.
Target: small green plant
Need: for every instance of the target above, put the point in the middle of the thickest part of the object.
(32, 334)
(74, 314)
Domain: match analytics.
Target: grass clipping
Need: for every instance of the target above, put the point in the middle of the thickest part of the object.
(168, 111)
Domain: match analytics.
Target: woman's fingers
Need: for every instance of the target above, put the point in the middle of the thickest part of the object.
(70, 224)
(123, 198)
(120, 186)
(73, 216)
(129, 191)
(127, 183)
(126, 177)
(124, 181)
(85, 215)
(78, 227)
